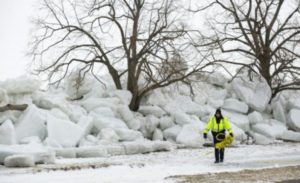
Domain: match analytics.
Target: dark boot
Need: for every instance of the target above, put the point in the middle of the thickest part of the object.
(217, 155)
(222, 151)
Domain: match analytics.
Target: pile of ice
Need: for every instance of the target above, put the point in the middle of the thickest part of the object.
(95, 121)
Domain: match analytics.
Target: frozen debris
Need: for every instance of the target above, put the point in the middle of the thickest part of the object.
(152, 110)
(30, 140)
(22, 160)
(125, 113)
(290, 136)
(64, 132)
(191, 135)
(235, 105)
(271, 130)
(172, 132)
(294, 119)
(109, 135)
(100, 122)
(156, 98)
(92, 103)
(115, 149)
(293, 103)
(21, 85)
(59, 114)
(65, 152)
(166, 122)
(184, 104)
(183, 119)
(105, 111)
(256, 94)
(158, 135)
(239, 134)
(261, 139)
(93, 151)
(238, 119)
(86, 123)
(10, 115)
(138, 147)
(216, 103)
(39, 153)
(4, 100)
(8, 133)
(124, 96)
(255, 117)
(278, 111)
(129, 135)
(32, 123)
(149, 125)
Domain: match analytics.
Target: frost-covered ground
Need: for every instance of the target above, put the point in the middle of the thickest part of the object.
(156, 167)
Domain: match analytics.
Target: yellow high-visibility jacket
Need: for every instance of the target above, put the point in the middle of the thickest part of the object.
(215, 127)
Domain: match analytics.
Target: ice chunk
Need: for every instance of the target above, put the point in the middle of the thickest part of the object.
(215, 103)
(19, 161)
(101, 122)
(86, 123)
(172, 133)
(31, 123)
(271, 130)
(134, 124)
(235, 105)
(3, 97)
(125, 113)
(191, 135)
(294, 119)
(129, 135)
(278, 111)
(92, 103)
(149, 126)
(105, 111)
(240, 120)
(10, 115)
(39, 153)
(156, 98)
(137, 147)
(183, 119)
(108, 135)
(89, 152)
(261, 139)
(64, 132)
(256, 94)
(19, 85)
(166, 122)
(124, 96)
(239, 134)
(66, 152)
(184, 104)
(293, 103)
(8, 133)
(290, 135)
(255, 117)
(59, 114)
(29, 140)
(152, 110)
(115, 149)
(158, 135)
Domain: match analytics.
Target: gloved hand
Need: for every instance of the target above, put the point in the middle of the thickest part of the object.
(231, 134)
(205, 135)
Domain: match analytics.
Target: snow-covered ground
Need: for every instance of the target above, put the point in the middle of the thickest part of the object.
(156, 167)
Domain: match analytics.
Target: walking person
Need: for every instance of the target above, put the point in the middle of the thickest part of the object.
(218, 124)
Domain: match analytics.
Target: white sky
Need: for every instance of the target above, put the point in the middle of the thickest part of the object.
(14, 35)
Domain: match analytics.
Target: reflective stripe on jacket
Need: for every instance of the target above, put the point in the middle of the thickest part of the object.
(215, 127)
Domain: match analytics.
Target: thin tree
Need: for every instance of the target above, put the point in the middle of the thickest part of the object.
(131, 39)
(261, 35)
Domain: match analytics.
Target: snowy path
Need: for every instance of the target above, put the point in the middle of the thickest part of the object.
(154, 167)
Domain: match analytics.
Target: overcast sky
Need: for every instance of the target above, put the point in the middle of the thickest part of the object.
(14, 36)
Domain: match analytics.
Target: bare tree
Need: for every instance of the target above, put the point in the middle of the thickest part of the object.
(133, 38)
(261, 35)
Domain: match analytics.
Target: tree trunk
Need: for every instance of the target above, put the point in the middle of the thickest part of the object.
(135, 102)
(20, 107)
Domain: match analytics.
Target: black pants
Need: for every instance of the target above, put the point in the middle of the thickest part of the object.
(219, 153)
